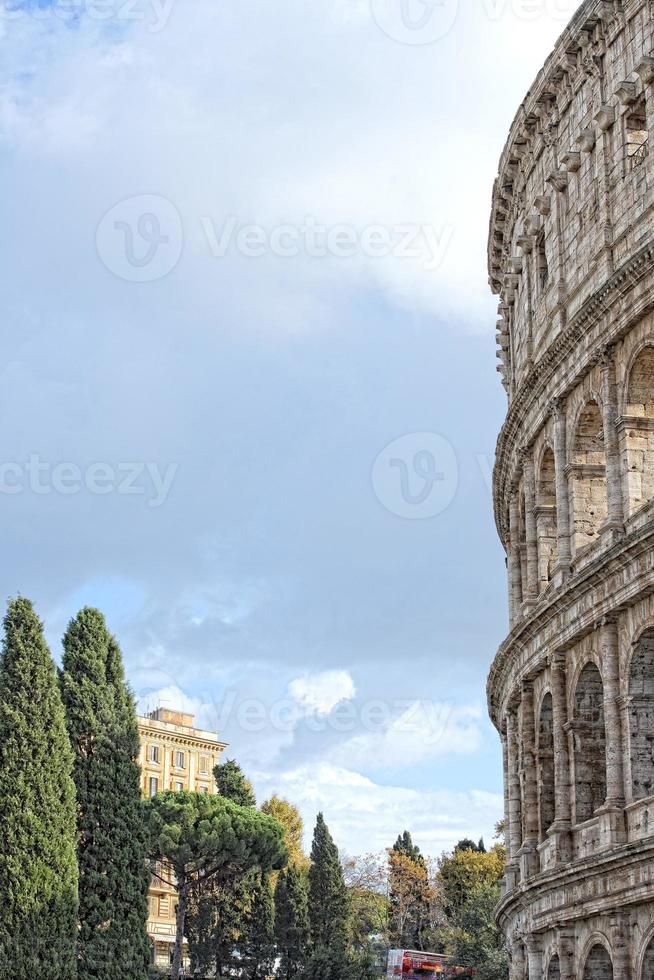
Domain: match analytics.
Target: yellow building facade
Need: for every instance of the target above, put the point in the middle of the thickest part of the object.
(175, 755)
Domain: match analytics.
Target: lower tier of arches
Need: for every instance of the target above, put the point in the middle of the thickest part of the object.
(593, 920)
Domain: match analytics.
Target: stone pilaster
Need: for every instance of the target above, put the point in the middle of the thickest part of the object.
(515, 800)
(566, 944)
(531, 531)
(560, 829)
(505, 771)
(518, 961)
(514, 559)
(612, 827)
(562, 491)
(535, 957)
(620, 929)
(615, 503)
(529, 862)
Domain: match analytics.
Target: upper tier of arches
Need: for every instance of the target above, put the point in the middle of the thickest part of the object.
(588, 476)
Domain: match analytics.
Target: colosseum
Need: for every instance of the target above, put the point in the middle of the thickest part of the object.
(571, 690)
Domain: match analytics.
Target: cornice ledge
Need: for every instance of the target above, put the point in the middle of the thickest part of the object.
(612, 560)
(588, 867)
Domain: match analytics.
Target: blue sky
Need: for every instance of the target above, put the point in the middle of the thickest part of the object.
(244, 298)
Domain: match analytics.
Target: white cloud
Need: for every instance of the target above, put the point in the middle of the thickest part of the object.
(366, 816)
(236, 134)
(321, 693)
(173, 698)
(424, 730)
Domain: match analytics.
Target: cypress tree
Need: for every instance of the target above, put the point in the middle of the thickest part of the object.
(258, 953)
(328, 898)
(112, 843)
(38, 868)
(292, 929)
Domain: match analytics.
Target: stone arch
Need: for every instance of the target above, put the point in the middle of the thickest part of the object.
(545, 735)
(589, 740)
(588, 472)
(646, 971)
(641, 717)
(546, 518)
(554, 968)
(638, 423)
(598, 965)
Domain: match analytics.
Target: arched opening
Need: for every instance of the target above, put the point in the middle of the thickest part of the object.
(588, 470)
(589, 744)
(639, 431)
(546, 766)
(546, 519)
(598, 964)
(554, 969)
(647, 971)
(641, 717)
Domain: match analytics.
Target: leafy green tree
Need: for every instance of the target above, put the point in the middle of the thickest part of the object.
(463, 872)
(38, 866)
(329, 963)
(409, 894)
(217, 922)
(366, 878)
(292, 929)
(469, 845)
(258, 951)
(328, 897)
(220, 917)
(233, 785)
(112, 844)
(289, 817)
(205, 839)
(476, 942)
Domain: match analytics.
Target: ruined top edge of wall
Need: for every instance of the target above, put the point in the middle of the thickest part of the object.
(587, 16)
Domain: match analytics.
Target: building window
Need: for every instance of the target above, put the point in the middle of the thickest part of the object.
(164, 906)
(204, 789)
(179, 760)
(637, 136)
(153, 786)
(179, 787)
(153, 753)
(204, 765)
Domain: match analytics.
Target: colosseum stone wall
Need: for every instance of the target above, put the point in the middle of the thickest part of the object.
(571, 690)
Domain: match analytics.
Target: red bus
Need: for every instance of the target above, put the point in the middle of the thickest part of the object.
(409, 964)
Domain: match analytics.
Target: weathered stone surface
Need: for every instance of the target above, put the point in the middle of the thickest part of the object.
(571, 690)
